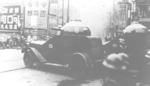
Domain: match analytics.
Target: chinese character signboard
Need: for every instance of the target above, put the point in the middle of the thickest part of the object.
(10, 17)
(36, 12)
(53, 1)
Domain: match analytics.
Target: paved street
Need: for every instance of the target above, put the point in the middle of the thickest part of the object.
(13, 72)
(11, 59)
(29, 77)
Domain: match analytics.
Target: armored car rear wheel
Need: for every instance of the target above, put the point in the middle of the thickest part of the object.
(78, 67)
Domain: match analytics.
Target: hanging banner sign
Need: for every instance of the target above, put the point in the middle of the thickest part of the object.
(10, 17)
(36, 14)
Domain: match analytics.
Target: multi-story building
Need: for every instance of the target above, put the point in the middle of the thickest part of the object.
(101, 16)
(143, 8)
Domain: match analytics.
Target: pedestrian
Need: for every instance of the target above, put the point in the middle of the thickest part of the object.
(29, 38)
(7, 43)
(3, 42)
(22, 41)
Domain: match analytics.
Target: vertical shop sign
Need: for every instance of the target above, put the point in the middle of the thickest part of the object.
(36, 13)
(148, 8)
(10, 17)
(53, 1)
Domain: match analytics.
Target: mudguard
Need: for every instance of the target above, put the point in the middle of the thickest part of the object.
(86, 58)
(38, 55)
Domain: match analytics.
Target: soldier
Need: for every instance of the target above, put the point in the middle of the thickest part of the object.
(116, 66)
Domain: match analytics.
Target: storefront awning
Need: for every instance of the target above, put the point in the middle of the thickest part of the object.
(9, 31)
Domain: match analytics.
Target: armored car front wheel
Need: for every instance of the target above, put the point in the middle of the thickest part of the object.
(29, 60)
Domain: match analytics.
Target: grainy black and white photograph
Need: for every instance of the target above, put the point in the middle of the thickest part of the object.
(74, 42)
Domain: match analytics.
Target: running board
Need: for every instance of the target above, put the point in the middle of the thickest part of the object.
(59, 65)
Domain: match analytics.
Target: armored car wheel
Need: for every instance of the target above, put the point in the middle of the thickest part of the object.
(78, 66)
(30, 60)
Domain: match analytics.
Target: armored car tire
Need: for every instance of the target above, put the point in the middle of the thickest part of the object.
(30, 60)
(78, 66)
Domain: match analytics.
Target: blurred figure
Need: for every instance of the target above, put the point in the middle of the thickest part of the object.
(23, 40)
(29, 39)
(3, 40)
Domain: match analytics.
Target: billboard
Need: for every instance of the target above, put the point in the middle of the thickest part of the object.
(10, 16)
(140, 0)
(36, 13)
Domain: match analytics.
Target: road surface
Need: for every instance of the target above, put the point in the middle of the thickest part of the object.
(14, 73)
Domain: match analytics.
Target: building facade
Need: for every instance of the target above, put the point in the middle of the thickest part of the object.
(143, 8)
(101, 16)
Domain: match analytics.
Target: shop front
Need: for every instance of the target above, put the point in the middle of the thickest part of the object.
(10, 22)
(143, 8)
(36, 34)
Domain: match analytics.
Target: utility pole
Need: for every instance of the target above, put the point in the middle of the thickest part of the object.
(23, 18)
(48, 28)
(62, 12)
(68, 10)
(114, 15)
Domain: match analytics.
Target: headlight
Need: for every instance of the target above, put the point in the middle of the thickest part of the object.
(77, 30)
(114, 45)
(147, 54)
(85, 28)
(28, 43)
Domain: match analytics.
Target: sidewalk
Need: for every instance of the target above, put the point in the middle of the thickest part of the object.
(11, 59)
(10, 54)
